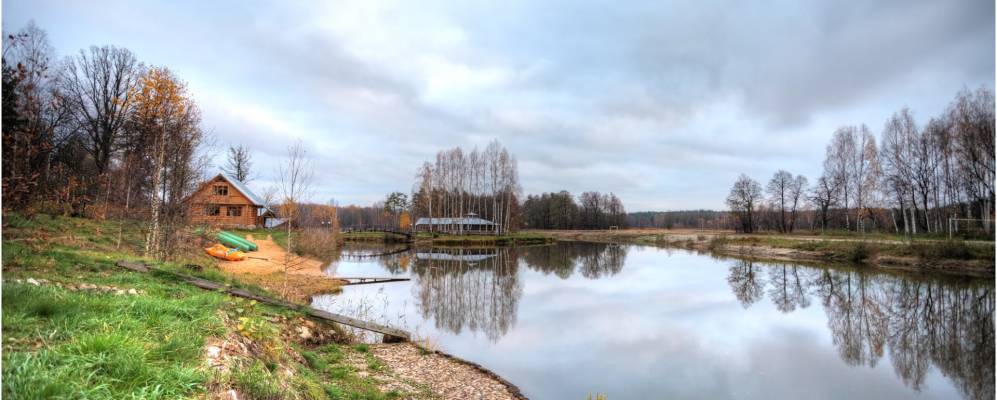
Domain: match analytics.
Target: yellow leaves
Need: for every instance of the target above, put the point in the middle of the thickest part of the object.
(404, 221)
(161, 95)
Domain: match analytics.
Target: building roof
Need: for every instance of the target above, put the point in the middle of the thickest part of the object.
(453, 221)
(242, 188)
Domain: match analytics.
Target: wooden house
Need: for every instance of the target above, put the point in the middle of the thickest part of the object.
(223, 201)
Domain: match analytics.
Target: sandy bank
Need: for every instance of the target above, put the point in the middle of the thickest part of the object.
(265, 268)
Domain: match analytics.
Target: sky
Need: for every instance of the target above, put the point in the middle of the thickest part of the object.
(663, 103)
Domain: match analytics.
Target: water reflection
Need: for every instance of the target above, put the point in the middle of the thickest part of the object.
(919, 322)
(462, 289)
(679, 311)
(593, 260)
(479, 289)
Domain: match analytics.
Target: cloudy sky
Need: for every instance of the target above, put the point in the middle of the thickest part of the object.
(662, 102)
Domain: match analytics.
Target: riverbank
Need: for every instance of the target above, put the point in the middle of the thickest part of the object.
(74, 324)
(956, 257)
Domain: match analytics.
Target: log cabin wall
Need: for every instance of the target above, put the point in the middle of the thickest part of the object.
(219, 203)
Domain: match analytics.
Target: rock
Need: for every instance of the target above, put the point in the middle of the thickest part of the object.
(119, 292)
(304, 332)
(132, 292)
(34, 282)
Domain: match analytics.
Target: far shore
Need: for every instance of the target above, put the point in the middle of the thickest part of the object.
(929, 255)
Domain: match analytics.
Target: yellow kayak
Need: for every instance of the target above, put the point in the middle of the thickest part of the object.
(225, 253)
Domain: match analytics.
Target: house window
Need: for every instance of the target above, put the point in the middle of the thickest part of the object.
(221, 190)
(234, 211)
(212, 210)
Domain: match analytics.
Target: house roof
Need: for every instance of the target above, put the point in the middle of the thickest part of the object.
(242, 188)
(453, 221)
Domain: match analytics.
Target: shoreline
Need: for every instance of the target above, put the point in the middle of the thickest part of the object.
(874, 253)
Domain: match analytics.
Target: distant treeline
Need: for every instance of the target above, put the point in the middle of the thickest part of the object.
(593, 210)
(691, 219)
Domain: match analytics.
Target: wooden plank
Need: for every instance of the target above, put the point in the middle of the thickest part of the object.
(373, 277)
(391, 334)
(368, 281)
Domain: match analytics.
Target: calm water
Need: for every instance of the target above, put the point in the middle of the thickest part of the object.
(573, 319)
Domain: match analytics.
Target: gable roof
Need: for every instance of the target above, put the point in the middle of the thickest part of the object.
(241, 187)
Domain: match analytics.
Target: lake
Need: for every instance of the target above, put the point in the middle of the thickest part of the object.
(574, 319)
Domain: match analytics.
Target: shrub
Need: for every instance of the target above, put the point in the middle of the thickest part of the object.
(858, 252)
(718, 243)
(315, 242)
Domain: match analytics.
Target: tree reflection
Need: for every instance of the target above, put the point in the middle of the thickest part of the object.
(592, 260)
(745, 282)
(788, 289)
(478, 289)
(465, 288)
(920, 322)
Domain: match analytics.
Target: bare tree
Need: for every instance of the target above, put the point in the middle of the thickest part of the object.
(972, 115)
(778, 189)
(743, 200)
(294, 180)
(838, 164)
(797, 196)
(897, 155)
(239, 163)
(865, 172)
(97, 86)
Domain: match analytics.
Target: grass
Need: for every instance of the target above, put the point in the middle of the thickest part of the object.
(61, 342)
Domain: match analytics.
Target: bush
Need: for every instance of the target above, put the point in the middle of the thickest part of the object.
(858, 252)
(315, 242)
(718, 243)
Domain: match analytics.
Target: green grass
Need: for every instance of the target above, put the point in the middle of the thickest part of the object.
(62, 343)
